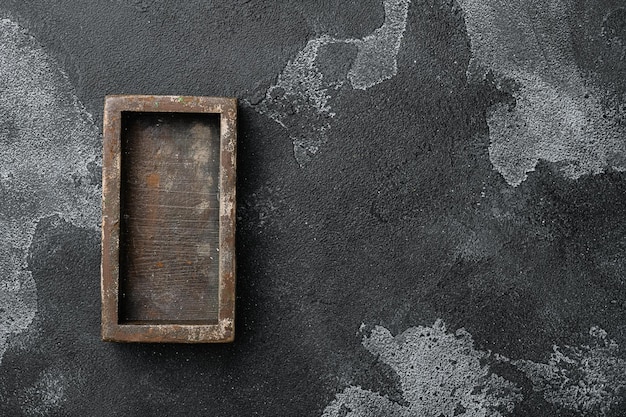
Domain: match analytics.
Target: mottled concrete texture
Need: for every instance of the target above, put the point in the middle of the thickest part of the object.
(559, 112)
(49, 163)
(431, 205)
(300, 101)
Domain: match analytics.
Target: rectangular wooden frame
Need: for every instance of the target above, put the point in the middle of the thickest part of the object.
(112, 329)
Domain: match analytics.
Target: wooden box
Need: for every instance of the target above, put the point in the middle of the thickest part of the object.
(168, 220)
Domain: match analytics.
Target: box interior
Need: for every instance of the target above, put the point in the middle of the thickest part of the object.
(169, 218)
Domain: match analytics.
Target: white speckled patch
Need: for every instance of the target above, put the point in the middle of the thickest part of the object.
(558, 114)
(48, 142)
(303, 91)
(46, 396)
(441, 374)
(588, 379)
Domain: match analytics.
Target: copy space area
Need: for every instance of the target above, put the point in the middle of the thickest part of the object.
(169, 227)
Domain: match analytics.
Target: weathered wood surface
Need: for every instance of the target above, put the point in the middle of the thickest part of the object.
(168, 219)
(169, 232)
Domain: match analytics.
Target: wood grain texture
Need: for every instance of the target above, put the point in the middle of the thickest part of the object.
(164, 160)
(169, 225)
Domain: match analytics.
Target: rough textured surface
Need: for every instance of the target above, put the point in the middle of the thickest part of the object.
(440, 373)
(300, 101)
(455, 162)
(49, 163)
(558, 112)
(589, 379)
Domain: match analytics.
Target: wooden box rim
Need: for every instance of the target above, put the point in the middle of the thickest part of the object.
(111, 329)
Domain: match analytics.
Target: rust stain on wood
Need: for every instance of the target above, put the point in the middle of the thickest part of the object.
(153, 180)
(168, 226)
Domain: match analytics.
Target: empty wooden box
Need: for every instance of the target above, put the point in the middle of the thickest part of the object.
(168, 221)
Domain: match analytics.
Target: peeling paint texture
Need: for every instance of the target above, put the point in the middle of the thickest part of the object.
(49, 165)
(558, 114)
(588, 379)
(441, 374)
(300, 101)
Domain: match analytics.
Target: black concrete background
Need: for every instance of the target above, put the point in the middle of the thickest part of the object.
(365, 233)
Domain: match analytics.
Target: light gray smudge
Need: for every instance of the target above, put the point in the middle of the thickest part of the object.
(588, 379)
(613, 31)
(558, 115)
(441, 374)
(376, 59)
(47, 144)
(300, 99)
(46, 396)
